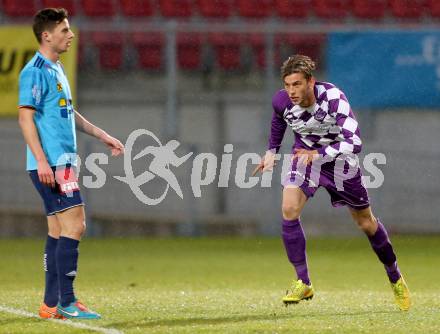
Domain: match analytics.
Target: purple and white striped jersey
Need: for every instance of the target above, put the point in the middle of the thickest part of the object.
(329, 126)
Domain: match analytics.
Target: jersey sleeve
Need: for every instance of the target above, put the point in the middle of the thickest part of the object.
(280, 102)
(32, 88)
(345, 119)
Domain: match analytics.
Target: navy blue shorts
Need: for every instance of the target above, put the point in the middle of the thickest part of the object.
(66, 193)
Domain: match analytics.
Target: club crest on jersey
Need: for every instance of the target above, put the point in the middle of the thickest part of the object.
(59, 86)
(320, 115)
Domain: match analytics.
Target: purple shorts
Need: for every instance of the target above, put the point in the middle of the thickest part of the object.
(342, 178)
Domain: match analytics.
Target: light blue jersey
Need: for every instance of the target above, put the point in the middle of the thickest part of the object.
(43, 86)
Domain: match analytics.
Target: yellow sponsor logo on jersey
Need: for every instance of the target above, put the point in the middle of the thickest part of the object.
(59, 86)
(62, 103)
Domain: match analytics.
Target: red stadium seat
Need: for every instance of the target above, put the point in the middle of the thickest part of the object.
(292, 8)
(175, 8)
(434, 8)
(369, 9)
(331, 9)
(110, 45)
(258, 44)
(227, 47)
(149, 47)
(136, 8)
(307, 44)
(69, 5)
(19, 8)
(407, 9)
(98, 8)
(254, 8)
(189, 50)
(215, 8)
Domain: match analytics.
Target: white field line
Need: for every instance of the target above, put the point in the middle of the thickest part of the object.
(61, 322)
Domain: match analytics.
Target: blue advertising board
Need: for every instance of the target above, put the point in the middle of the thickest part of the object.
(389, 69)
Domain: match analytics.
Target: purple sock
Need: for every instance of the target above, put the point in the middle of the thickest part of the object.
(384, 250)
(295, 244)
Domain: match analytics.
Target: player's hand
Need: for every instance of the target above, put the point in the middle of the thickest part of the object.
(259, 168)
(266, 164)
(114, 144)
(304, 156)
(268, 161)
(45, 174)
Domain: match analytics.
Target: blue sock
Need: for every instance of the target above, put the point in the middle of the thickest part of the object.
(67, 260)
(50, 267)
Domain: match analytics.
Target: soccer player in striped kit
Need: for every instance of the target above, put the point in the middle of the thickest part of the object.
(327, 141)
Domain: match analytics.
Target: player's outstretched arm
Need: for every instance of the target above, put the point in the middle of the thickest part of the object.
(30, 134)
(85, 126)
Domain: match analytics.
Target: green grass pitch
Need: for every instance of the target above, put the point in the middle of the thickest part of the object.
(224, 285)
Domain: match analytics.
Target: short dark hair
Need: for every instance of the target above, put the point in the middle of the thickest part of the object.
(47, 19)
(298, 64)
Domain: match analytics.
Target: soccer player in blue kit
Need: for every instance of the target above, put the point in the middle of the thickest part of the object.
(326, 136)
(48, 122)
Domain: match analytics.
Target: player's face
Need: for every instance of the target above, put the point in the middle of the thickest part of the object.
(300, 89)
(60, 38)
